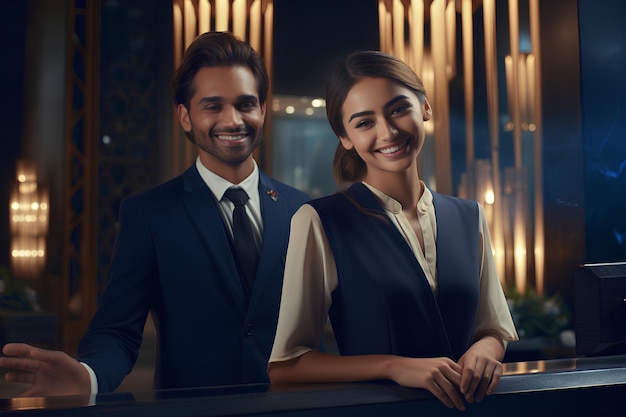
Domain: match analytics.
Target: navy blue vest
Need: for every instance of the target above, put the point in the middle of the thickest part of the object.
(383, 302)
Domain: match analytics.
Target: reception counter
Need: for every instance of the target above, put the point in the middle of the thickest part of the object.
(582, 386)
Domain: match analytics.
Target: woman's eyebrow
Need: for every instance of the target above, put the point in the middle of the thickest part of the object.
(386, 106)
(394, 100)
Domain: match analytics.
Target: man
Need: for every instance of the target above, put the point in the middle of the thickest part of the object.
(175, 253)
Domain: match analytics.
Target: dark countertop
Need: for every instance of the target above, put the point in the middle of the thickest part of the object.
(576, 386)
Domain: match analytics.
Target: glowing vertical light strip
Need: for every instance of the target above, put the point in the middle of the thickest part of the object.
(189, 22)
(489, 12)
(382, 25)
(417, 34)
(520, 210)
(515, 116)
(268, 18)
(450, 25)
(177, 35)
(239, 18)
(441, 105)
(255, 25)
(204, 16)
(537, 119)
(221, 15)
(398, 29)
(468, 81)
(389, 25)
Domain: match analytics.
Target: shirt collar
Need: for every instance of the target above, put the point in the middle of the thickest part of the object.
(219, 185)
(392, 205)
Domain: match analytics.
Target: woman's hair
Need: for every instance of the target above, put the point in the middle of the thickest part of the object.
(217, 49)
(347, 164)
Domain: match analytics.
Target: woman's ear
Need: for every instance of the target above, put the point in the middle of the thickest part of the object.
(183, 117)
(427, 110)
(346, 143)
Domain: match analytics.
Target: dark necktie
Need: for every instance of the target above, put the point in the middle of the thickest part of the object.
(243, 236)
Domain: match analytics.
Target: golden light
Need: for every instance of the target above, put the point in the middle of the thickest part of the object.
(29, 223)
(318, 102)
(510, 201)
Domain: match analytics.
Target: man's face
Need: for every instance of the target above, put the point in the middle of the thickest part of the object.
(224, 117)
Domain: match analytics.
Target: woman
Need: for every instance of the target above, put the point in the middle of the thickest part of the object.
(405, 274)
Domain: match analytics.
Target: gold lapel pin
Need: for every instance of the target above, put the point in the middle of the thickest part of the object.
(273, 194)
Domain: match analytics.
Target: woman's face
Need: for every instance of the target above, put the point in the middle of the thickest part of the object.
(384, 123)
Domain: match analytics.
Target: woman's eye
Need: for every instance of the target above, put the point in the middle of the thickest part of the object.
(363, 123)
(400, 109)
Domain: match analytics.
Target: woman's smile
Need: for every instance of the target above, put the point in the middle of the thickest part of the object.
(395, 149)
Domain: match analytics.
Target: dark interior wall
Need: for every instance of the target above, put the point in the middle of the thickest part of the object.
(135, 108)
(12, 31)
(310, 36)
(603, 92)
(562, 144)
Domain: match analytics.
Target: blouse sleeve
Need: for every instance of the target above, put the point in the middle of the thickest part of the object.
(494, 315)
(309, 280)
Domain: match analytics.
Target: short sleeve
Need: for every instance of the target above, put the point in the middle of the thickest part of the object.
(493, 315)
(309, 280)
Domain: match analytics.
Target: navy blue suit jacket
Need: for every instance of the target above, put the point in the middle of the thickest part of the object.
(173, 257)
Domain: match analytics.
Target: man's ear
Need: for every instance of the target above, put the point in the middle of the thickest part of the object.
(346, 143)
(183, 117)
(427, 110)
(263, 108)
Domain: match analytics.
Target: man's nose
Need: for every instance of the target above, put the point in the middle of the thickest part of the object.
(231, 116)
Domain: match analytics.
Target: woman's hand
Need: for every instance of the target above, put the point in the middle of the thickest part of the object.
(481, 368)
(440, 376)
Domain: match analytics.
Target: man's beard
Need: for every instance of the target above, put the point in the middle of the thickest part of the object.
(209, 146)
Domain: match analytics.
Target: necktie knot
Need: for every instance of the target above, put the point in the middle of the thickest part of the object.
(237, 195)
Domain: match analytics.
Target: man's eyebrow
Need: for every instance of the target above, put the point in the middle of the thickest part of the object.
(247, 97)
(211, 99)
(219, 99)
(386, 106)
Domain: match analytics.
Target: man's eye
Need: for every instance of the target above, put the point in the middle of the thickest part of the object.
(247, 105)
(212, 107)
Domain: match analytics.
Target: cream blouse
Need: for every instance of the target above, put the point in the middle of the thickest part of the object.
(311, 276)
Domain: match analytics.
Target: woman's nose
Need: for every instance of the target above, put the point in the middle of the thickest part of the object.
(386, 131)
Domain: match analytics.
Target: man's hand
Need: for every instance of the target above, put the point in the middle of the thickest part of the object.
(49, 372)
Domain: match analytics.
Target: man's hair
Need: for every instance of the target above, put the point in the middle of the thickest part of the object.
(217, 49)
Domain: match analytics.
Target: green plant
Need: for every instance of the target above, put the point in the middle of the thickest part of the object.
(537, 315)
(14, 293)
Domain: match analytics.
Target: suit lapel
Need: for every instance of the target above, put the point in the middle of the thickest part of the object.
(200, 203)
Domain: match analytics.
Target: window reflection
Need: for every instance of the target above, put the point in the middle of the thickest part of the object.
(303, 144)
